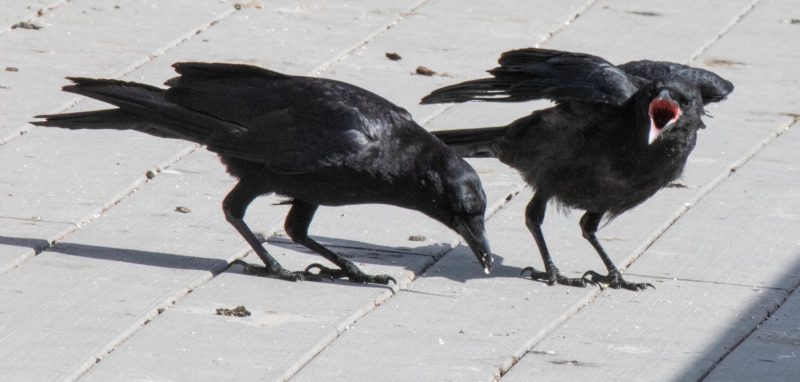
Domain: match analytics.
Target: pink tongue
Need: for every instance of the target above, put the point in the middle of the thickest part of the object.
(661, 112)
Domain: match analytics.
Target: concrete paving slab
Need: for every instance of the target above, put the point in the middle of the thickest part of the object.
(453, 324)
(677, 333)
(452, 48)
(74, 303)
(131, 270)
(89, 38)
(750, 225)
(15, 12)
(770, 353)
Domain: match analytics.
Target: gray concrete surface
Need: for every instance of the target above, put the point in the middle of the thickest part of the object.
(102, 280)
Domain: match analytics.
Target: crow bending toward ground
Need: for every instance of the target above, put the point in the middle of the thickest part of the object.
(316, 141)
(616, 136)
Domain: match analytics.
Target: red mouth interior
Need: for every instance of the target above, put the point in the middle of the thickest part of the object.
(662, 111)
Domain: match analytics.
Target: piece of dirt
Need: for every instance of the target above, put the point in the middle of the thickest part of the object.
(182, 209)
(645, 13)
(394, 56)
(26, 25)
(425, 71)
(417, 238)
(723, 62)
(11, 69)
(247, 4)
(239, 311)
(677, 185)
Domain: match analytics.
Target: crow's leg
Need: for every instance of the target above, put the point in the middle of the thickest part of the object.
(234, 206)
(589, 223)
(296, 226)
(534, 216)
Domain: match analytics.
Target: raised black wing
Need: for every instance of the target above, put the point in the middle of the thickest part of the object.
(529, 74)
(713, 88)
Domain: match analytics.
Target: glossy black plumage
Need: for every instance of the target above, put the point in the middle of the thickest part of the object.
(616, 135)
(317, 141)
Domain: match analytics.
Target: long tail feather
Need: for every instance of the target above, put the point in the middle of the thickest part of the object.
(142, 107)
(470, 143)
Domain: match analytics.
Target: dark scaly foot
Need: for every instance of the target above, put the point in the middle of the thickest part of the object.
(280, 273)
(614, 280)
(353, 274)
(554, 277)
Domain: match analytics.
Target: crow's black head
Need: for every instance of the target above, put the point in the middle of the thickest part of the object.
(460, 203)
(669, 108)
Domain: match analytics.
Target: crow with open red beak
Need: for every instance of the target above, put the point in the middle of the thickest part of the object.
(616, 135)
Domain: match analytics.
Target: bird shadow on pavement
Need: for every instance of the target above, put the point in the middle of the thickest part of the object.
(459, 264)
(133, 256)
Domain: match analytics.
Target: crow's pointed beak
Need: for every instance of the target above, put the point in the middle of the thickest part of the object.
(664, 113)
(473, 232)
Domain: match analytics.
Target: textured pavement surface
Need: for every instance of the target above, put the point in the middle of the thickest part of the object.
(104, 278)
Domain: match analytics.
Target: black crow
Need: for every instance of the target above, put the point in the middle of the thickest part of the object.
(314, 140)
(616, 135)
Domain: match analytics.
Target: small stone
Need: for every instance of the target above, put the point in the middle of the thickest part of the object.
(417, 238)
(393, 56)
(425, 71)
(239, 311)
(26, 25)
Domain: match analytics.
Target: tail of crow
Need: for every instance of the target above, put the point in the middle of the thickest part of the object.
(140, 107)
(471, 143)
(109, 119)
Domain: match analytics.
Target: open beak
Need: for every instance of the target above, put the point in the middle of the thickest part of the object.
(664, 113)
(474, 234)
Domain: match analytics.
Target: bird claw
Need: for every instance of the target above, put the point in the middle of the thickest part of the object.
(614, 280)
(553, 277)
(280, 273)
(355, 276)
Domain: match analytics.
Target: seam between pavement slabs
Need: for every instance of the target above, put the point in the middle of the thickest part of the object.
(755, 327)
(711, 282)
(10, 136)
(134, 186)
(578, 12)
(353, 319)
(347, 52)
(725, 30)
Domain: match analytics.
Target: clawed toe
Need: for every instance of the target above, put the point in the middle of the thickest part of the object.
(553, 277)
(279, 273)
(614, 280)
(355, 275)
(323, 271)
